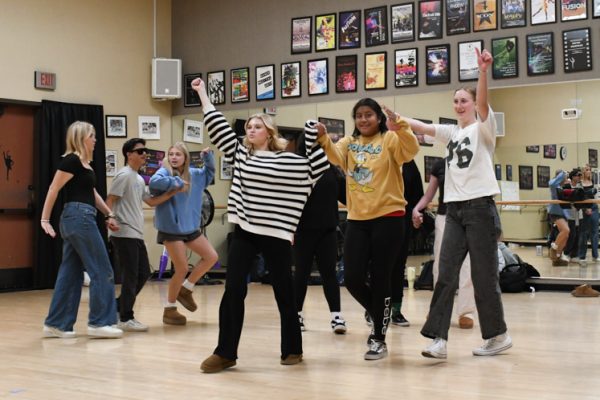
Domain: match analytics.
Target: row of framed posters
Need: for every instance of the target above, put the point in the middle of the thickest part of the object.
(426, 19)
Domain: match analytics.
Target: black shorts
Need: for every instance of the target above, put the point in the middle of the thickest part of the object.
(162, 237)
(554, 217)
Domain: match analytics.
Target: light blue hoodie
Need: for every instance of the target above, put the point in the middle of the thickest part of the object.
(180, 215)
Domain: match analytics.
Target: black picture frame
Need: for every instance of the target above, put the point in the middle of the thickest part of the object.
(216, 87)
(318, 76)
(505, 52)
(240, 85)
(346, 73)
(376, 26)
(291, 80)
(301, 35)
(428, 163)
(593, 158)
(116, 126)
(549, 151)
(525, 177)
(421, 138)
(532, 148)
(325, 32)
(577, 50)
(402, 18)
(376, 70)
(437, 64)
(335, 128)
(468, 69)
(349, 29)
(542, 13)
(431, 22)
(595, 8)
(509, 172)
(406, 67)
(264, 85)
(458, 17)
(513, 13)
(573, 10)
(543, 176)
(485, 15)
(190, 96)
(540, 54)
(447, 121)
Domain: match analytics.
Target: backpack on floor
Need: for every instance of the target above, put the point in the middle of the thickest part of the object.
(513, 277)
(425, 279)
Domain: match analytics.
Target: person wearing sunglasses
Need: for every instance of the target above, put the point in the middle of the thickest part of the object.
(127, 192)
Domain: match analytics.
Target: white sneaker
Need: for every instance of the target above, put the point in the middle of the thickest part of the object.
(51, 332)
(596, 259)
(133, 325)
(565, 258)
(86, 279)
(437, 349)
(494, 345)
(107, 332)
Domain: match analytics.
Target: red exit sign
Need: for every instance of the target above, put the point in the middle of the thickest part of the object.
(45, 80)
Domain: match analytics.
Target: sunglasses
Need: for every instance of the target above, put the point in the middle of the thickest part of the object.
(140, 151)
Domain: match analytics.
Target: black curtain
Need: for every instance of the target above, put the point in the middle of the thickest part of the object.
(51, 130)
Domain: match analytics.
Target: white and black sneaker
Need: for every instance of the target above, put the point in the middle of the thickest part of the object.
(494, 345)
(377, 350)
(338, 325)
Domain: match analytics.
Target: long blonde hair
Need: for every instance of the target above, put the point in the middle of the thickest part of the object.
(274, 141)
(185, 175)
(77, 133)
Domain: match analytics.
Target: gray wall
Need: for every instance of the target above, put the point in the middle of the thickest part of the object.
(226, 34)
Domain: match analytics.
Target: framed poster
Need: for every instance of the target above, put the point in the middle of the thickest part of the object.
(376, 26)
(215, 83)
(430, 19)
(513, 14)
(111, 162)
(403, 22)
(508, 172)
(154, 160)
(458, 17)
(525, 177)
(116, 126)
(448, 121)
(543, 176)
(290, 80)
(540, 54)
(345, 73)
(375, 70)
(485, 15)
(506, 62)
(549, 151)
(301, 35)
(422, 138)
(593, 158)
(532, 149)
(149, 127)
(325, 32)
(406, 68)
(577, 49)
(468, 69)
(573, 10)
(349, 29)
(265, 82)
(318, 77)
(335, 128)
(429, 162)
(437, 59)
(190, 96)
(498, 171)
(193, 131)
(226, 169)
(543, 12)
(595, 8)
(240, 85)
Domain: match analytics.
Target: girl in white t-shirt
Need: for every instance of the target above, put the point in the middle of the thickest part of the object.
(471, 218)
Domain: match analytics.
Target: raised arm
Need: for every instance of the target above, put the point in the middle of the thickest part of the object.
(484, 60)
(209, 164)
(316, 156)
(336, 153)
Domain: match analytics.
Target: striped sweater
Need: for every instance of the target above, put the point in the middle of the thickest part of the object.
(269, 189)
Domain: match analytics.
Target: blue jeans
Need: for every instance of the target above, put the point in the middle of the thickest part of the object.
(589, 230)
(470, 227)
(83, 249)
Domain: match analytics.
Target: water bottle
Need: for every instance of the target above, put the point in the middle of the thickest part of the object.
(162, 265)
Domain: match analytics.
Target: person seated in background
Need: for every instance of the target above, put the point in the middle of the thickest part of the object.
(558, 217)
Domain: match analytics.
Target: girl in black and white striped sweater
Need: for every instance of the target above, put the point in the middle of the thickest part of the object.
(268, 192)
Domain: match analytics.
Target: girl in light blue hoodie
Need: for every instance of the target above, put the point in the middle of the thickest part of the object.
(178, 223)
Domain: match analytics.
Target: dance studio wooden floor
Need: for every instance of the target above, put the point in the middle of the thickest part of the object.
(556, 353)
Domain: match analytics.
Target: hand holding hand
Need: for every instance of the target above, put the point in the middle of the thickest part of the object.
(48, 229)
(484, 60)
(321, 129)
(393, 119)
(417, 218)
(112, 224)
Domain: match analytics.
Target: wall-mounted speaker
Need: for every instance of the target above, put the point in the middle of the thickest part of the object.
(166, 78)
